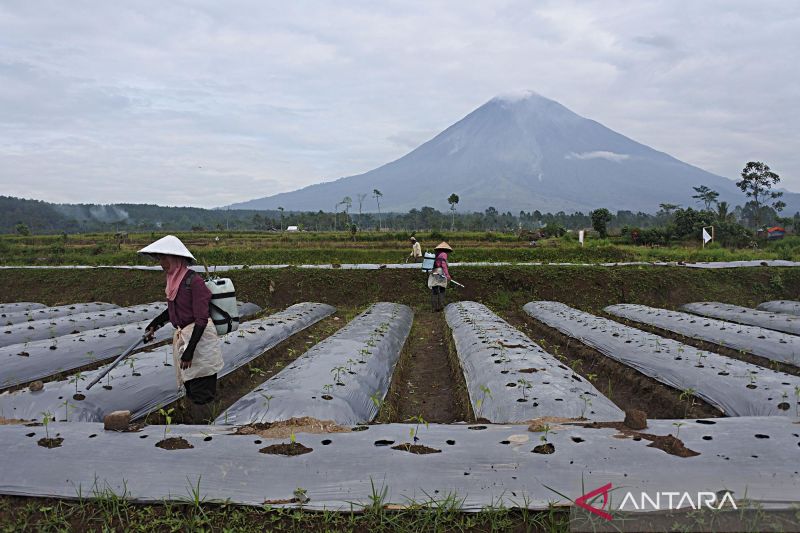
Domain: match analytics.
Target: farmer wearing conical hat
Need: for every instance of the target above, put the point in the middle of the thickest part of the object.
(195, 346)
(439, 276)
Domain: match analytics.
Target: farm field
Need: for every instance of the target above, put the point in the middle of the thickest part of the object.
(253, 248)
(489, 403)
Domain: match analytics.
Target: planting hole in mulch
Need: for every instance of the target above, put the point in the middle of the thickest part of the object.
(286, 448)
(784, 406)
(78, 397)
(107, 387)
(450, 442)
(50, 443)
(174, 443)
(360, 428)
(477, 428)
(418, 449)
(546, 449)
(383, 442)
(527, 370)
(326, 442)
(327, 397)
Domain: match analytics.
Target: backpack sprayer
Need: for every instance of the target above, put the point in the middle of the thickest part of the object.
(427, 265)
(223, 311)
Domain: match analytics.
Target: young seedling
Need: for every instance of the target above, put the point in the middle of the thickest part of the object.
(66, 405)
(76, 378)
(524, 385)
(480, 401)
(266, 399)
(255, 371)
(47, 417)
(167, 414)
(376, 400)
(591, 377)
(797, 397)
(326, 391)
(575, 365)
(678, 428)
(350, 363)
(337, 374)
(546, 428)
(414, 432)
(292, 438)
(687, 396)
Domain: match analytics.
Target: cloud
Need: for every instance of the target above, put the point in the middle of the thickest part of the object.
(200, 103)
(610, 156)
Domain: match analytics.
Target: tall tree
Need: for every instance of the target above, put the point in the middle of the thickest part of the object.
(378, 195)
(360, 196)
(600, 219)
(453, 200)
(757, 181)
(705, 196)
(281, 210)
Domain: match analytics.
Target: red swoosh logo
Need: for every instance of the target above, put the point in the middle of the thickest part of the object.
(583, 501)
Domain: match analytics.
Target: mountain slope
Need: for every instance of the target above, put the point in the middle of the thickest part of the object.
(522, 153)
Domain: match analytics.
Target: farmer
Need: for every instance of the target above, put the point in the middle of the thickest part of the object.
(439, 276)
(416, 251)
(195, 345)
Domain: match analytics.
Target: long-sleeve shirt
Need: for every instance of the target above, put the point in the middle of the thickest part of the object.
(190, 305)
(416, 250)
(441, 262)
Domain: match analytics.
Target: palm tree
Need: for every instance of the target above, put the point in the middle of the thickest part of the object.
(453, 200)
(378, 195)
(361, 197)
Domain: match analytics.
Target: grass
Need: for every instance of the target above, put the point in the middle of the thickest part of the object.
(251, 248)
(109, 512)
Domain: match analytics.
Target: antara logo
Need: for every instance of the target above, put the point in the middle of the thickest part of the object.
(658, 501)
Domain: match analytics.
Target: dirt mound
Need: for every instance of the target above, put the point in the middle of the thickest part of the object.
(538, 424)
(9, 421)
(285, 428)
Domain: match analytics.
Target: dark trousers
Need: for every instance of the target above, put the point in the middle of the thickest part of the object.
(202, 390)
(437, 298)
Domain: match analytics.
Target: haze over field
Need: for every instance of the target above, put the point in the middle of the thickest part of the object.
(208, 104)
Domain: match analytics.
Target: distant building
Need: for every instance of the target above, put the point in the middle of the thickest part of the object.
(775, 232)
(292, 228)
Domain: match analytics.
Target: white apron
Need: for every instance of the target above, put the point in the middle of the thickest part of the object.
(207, 359)
(437, 278)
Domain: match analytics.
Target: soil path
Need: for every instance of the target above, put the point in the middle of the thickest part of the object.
(425, 382)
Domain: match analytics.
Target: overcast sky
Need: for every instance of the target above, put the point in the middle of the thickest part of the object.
(205, 103)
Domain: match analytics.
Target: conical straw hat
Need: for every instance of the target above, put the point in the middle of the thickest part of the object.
(169, 245)
(443, 246)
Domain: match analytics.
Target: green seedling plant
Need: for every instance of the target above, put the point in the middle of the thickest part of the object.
(47, 417)
(575, 365)
(678, 428)
(326, 389)
(76, 379)
(376, 400)
(292, 438)
(266, 398)
(255, 371)
(547, 429)
(591, 377)
(524, 386)
(480, 401)
(67, 406)
(414, 432)
(167, 414)
(337, 374)
(797, 403)
(687, 395)
(350, 363)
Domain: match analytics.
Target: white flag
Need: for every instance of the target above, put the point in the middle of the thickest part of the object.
(706, 236)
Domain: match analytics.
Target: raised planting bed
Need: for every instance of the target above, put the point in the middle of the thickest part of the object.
(147, 380)
(44, 313)
(17, 307)
(52, 328)
(343, 378)
(735, 387)
(511, 379)
(25, 362)
(473, 466)
(744, 315)
(781, 306)
(773, 345)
